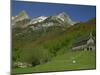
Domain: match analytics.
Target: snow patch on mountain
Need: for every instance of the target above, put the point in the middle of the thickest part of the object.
(23, 20)
(38, 19)
(21, 16)
(64, 17)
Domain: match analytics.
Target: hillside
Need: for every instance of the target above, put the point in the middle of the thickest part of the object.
(83, 61)
(51, 46)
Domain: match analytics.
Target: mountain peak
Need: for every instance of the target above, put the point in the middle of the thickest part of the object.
(42, 17)
(38, 19)
(62, 14)
(22, 15)
(65, 18)
(23, 11)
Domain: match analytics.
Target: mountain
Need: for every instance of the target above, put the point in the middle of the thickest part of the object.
(38, 19)
(38, 40)
(21, 16)
(22, 20)
(57, 20)
(38, 47)
(65, 18)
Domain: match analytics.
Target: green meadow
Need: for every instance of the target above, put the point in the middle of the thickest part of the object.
(84, 60)
(50, 49)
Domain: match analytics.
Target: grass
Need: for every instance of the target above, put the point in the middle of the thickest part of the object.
(84, 60)
(36, 45)
(32, 45)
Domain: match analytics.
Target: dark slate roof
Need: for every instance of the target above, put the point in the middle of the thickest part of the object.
(81, 41)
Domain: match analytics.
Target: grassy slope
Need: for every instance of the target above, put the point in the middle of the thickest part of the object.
(84, 60)
(56, 40)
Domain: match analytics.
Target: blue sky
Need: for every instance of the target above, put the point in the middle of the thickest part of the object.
(35, 9)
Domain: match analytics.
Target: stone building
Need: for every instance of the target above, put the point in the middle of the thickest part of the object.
(85, 43)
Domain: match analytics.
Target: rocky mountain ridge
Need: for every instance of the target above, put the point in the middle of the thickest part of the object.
(23, 20)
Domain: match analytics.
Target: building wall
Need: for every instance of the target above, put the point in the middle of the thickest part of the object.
(89, 46)
(84, 47)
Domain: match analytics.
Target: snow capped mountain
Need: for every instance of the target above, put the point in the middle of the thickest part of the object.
(23, 20)
(21, 16)
(20, 20)
(38, 19)
(61, 16)
(65, 18)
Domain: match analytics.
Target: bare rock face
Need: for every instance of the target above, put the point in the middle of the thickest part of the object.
(21, 16)
(20, 20)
